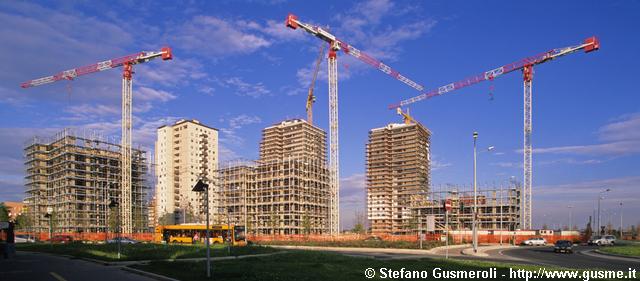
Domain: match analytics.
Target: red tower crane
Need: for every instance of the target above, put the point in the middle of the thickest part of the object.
(335, 45)
(526, 65)
(127, 63)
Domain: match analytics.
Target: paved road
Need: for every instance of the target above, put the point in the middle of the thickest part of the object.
(520, 255)
(580, 259)
(36, 266)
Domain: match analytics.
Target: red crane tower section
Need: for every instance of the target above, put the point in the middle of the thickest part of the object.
(335, 45)
(127, 63)
(526, 65)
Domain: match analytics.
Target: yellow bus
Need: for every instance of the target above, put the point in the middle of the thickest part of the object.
(185, 233)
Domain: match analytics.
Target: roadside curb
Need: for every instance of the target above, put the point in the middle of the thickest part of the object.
(354, 249)
(482, 250)
(128, 263)
(148, 274)
(450, 247)
(616, 255)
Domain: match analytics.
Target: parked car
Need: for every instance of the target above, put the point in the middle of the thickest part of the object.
(604, 240)
(535, 241)
(611, 239)
(123, 240)
(563, 246)
(23, 238)
(61, 239)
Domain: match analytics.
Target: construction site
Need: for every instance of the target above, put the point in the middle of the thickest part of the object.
(498, 208)
(286, 191)
(294, 186)
(73, 178)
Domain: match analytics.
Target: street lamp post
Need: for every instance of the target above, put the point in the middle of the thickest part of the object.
(501, 207)
(620, 220)
(200, 187)
(599, 199)
(113, 204)
(570, 215)
(475, 196)
(228, 238)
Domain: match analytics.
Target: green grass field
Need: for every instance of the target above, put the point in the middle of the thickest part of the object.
(109, 252)
(310, 265)
(632, 250)
(360, 244)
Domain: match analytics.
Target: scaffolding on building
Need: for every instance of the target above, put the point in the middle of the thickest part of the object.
(498, 208)
(277, 196)
(73, 176)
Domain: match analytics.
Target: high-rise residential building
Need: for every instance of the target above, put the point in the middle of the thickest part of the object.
(398, 169)
(293, 138)
(287, 190)
(184, 153)
(153, 219)
(72, 178)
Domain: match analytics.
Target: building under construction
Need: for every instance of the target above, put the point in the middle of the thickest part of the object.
(498, 209)
(287, 190)
(71, 180)
(398, 167)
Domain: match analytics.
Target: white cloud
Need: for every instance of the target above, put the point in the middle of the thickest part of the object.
(172, 73)
(508, 164)
(279, 31)
(362, 27)
(437, 165)
(89, 111)
(242, 88)
(620, 137)
(45, 41)
(242, 120)
(229, 138)
(551, 200)
(216, 37)
(206, 90)
(149, 94)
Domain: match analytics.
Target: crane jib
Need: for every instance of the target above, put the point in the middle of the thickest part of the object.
(590, 44)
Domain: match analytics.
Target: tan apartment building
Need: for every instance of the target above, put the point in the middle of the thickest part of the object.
(72, 177)
(287, 190)
(185, 152)
(398, 167)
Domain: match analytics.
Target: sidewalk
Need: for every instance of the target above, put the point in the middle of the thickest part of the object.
(483, 249)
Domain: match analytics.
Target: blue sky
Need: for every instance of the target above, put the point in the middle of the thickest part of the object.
(237, 67)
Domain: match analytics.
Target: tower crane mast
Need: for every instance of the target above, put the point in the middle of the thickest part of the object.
(127, 63)
(526, 65)
(335, 45)
(311, 98)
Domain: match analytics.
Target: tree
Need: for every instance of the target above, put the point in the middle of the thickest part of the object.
(306, 223)
(113, 219)
(274, 222)
(358, 226)
(23, 222)
(4, 212)
(167, 219)
(588, 231)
